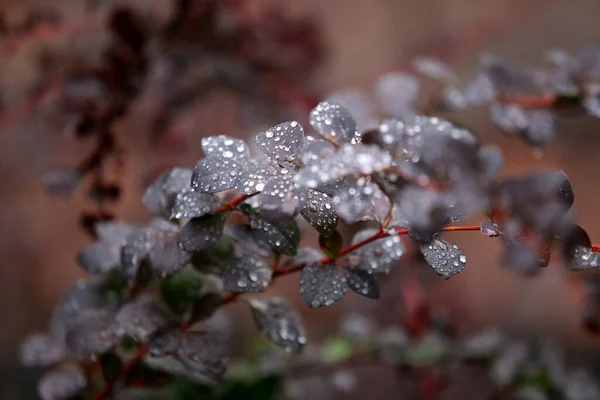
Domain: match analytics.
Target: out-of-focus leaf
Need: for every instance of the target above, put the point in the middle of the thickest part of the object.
(247, 274)
(91, 334)
(333, 122)
(321, 285)
(379, 255)
(337, 350)
(435, 69)
(277, 320)
(489, 229)
(62, 383)
(205, 306)
(216, 257)
(61, 181)
(361, 200)
(99, 258)
(180, 290)
(205, 353)
(246, 238)
(159, 196)
(42, 350)
(398, 93)
(306, 255)
(141, 318)
(283, 237)
(112, 366)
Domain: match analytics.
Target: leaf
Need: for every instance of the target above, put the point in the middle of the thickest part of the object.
(113, 232)
(444, 257)
(216, 257)
(490, 229)
(215, 174)
(225, 147)
(361, 200)
(254, 177)
(164, 341)
(576, 243)
(277, 320)
(159, 196)
(281, 199)
(205, 353)
(246, 238)
(91, 334)
(429, 351)
(321, 285)
(362, 282)
(205, 306)
(378, 256)
(435, 69)
(316, 150)
(398, 93)
(143, 317)
(99, 258)
(320, 212)
(359, 105)
(112, 366)
(247, 274)
(180, 290)
(190, 204)
(283, 237)
(331, 245)
(337, 350)
(282, 142)
(42, 350)
(82, 297)
(202, 232)
(333, 122)
(61, 181)
(165, 255)
(62, 383)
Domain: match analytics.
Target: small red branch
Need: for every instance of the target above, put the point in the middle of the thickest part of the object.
(135, 360)
(540, 101)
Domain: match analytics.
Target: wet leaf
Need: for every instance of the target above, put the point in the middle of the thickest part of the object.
(362, 282)
(444, 257)
(361, 200)
(246, 238)
(164, 341)
(180, 290)
(99, 258)
(190, 204)
(91, 334)
(320, 212)
(398, 93)
(321, 285)
(277, 320)
(141, 318)
(254, 177)
(247, 274)
(159, 196)
(113, 232)
(225, 147)
(216, 257)
(489, 229)
(316, 150)
(359, 105)
(435, 69)
(333, 122)
(42, 350)
(283, 237)
(205, 353)
(305, 255)
(215, 174)
(202, 232)
(378, 256)
(166, 256)
(282, 142)
(62, 383)
(281, 199)
(331, 245)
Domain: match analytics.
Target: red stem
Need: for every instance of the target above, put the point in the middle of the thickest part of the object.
(596, 247)
(135, 360)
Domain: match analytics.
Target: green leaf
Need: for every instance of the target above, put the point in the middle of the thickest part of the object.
(331, 245)
(431, 350)
(112, 367)
(337, 350)
(180, 290)
(215, 258)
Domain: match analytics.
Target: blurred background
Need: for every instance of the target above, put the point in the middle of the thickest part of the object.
(234, 71)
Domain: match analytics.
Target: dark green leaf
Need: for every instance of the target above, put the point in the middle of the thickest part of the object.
(278, 320)
(205, 306)
(331, 245)
(112, 366)
(180, 290)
